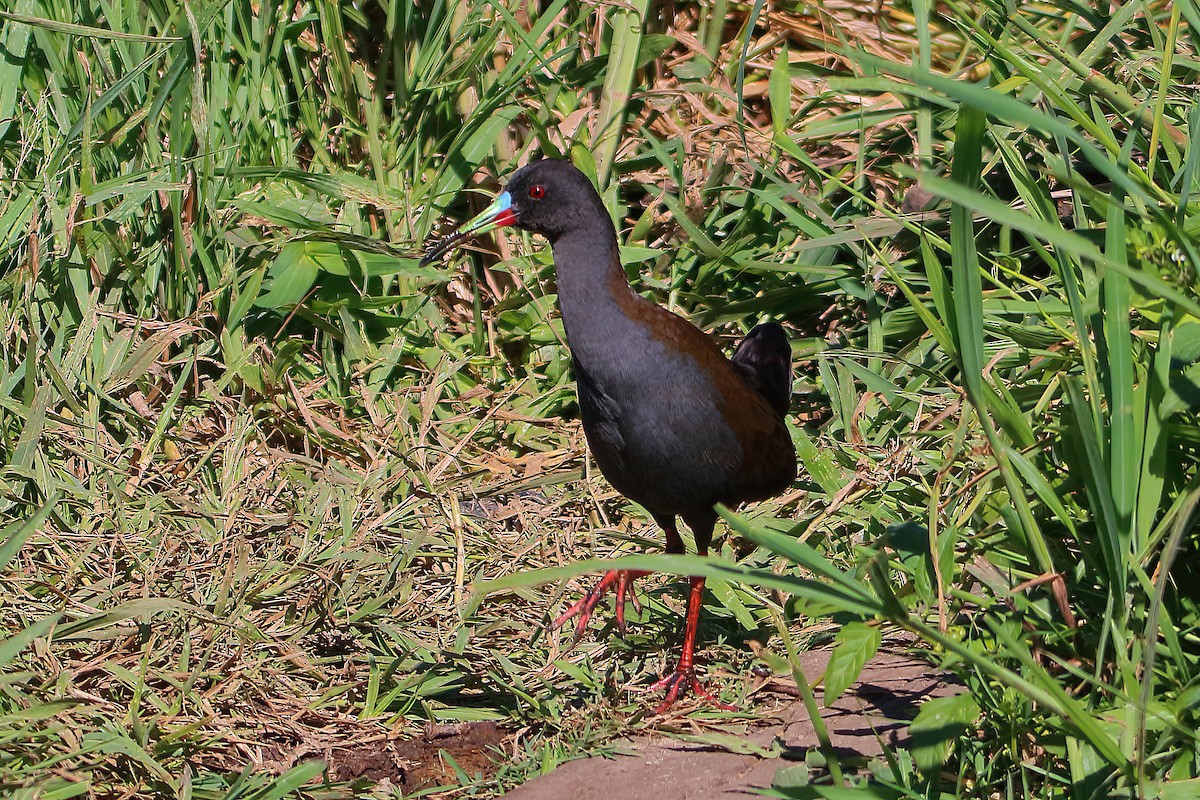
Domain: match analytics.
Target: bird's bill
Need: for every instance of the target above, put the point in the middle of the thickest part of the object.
(497, 215)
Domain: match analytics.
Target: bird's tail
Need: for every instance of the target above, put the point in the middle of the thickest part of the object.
(765, 358)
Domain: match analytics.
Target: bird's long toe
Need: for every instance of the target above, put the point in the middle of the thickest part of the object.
(678, 683)
(619, 580)
(626, 591)
(582, 609)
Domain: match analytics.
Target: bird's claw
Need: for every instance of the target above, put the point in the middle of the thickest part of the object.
(681, 680)
(583, 608)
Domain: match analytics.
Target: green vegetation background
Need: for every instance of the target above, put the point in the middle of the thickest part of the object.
(259, 466)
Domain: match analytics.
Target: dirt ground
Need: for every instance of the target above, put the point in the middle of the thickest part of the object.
(420, 763)
(873, 712)
(370, 760)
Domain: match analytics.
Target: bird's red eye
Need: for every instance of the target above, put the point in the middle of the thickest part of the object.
(537, 191)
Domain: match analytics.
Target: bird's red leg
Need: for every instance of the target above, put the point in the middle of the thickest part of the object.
(683, 677)
(623, 581)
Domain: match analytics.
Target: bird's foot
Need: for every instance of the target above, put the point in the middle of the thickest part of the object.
(679, 682)
(622, 580)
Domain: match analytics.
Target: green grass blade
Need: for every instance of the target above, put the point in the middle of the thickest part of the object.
(14, 535)
(628, 24)
(1124, 450)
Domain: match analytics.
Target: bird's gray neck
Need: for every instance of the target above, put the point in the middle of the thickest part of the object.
(594, 296)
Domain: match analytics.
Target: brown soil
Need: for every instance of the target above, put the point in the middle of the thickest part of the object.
(367, 757)
(421, 763)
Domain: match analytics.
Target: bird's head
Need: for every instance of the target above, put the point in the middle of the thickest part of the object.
(550, 197)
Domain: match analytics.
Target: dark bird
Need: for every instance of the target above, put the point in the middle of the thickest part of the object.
(672, 423)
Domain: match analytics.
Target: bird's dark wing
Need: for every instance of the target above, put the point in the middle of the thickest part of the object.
(752, 399)
(764, 358)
